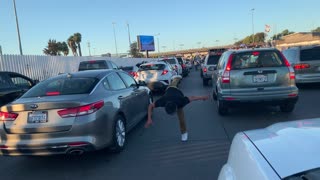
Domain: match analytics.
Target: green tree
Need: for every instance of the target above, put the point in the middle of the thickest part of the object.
(52, 49)
(134, 51)
(317, 30)
(280, 35)
(77, 39)
(72, 45)
(258, 38)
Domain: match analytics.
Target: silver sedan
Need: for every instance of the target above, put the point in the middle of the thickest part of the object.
(74, 113)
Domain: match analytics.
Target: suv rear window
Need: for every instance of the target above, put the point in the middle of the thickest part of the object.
(310, 54)
(171, 61)
(212, 60)
(92, 65)
(62, 86)
(257, 59)
(149, 67)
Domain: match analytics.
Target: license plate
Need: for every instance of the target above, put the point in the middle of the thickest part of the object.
(260, 78)
(38, 117)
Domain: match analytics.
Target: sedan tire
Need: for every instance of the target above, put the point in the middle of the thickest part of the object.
(119, 135)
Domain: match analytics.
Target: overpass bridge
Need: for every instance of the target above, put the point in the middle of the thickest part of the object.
(189, 52)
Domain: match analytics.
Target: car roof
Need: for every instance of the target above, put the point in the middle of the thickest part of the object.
(154, 62)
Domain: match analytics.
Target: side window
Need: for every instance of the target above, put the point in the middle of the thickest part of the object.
(128, 80)
(221, 61)
(105, 84)
(115, 82)
(109, 65)
(4, 82)
(21, 81)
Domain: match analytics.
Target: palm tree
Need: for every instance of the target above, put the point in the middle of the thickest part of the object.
(63, 47)
(72, 45)
(77, 40)
(52, 49)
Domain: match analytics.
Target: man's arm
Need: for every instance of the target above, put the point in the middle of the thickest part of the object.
(149, 121)
(197, 98)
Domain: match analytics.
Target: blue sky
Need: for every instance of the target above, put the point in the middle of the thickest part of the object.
(178, 22)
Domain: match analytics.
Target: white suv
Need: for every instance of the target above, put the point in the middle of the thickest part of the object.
(156, 75)
(174, 63)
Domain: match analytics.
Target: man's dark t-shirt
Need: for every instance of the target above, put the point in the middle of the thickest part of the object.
(173, 95)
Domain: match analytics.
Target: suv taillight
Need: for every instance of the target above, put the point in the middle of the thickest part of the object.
(164, 72)
(226, 73)
(291, 71)
(81, 111)
(301, 66)
(7, 116)
(204, 69)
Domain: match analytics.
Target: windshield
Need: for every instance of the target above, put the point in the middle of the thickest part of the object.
(171, 61)
(213, 60)
(62, 86)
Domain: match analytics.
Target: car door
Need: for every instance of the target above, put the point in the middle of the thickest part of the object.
(124, 96)
(21, 84)
(140, 97)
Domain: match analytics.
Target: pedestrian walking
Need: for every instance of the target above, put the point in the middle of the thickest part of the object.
(174, 101)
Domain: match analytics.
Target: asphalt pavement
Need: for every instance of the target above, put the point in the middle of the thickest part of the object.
(157, 153)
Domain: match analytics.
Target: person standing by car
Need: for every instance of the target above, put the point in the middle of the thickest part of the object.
(174, 101)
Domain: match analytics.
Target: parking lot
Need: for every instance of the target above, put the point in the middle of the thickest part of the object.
(157, 153)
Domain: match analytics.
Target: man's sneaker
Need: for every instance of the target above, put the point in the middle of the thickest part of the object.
(184, 137)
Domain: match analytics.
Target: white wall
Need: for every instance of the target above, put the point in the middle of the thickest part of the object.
(43, 67)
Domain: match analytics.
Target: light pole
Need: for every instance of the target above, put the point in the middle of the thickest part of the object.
(129, 34)
(89, 48)
(17, 23)
(252, 26)
(115, 39)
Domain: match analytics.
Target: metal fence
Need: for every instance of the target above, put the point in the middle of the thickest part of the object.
(43, 67)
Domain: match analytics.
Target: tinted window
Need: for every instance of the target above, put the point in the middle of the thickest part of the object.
(213, 59)
(310, 54)
(21, 82)
(4, 82)
(180, 60)
(257, 59)
(115, 82)
(92, 65)
(148, 67)
(128, 80)
(63, 86)
(171, 61)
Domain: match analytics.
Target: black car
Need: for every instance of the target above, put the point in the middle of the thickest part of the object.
(185, 69)
(13, 85)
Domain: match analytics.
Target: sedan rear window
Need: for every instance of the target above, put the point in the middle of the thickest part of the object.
(257, 59)
(92, 65)
(149, 67)
(62, 86)
(310, 54)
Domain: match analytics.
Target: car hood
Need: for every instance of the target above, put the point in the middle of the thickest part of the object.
(289, 147)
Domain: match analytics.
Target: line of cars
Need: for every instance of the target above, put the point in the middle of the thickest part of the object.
(260, 76)
(283, 150)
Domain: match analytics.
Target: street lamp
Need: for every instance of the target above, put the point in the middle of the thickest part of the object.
(115, 39)
(129, 34)
(17, 23)
(89, 48)
(252, 26)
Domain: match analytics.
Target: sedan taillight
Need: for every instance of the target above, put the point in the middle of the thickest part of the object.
(7, 116)
(81, 111)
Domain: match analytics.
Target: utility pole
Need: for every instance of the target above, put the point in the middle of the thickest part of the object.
(252, 26)
(17, 23)
(89, 48)
(129, 34)
(0, 50)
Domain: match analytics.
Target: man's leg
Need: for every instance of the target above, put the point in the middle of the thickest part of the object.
(182, 121)
(175, 82)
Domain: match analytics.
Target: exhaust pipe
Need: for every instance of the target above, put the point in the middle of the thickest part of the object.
(76, 152)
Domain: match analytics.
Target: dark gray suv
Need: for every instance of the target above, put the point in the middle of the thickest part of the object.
(254, 76)
(306, 63)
